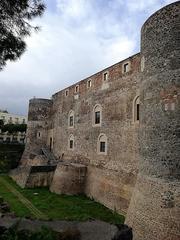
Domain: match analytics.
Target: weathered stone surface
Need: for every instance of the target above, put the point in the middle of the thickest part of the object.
(144, 153)
(154, 211)
(33, 176)
(69, 179)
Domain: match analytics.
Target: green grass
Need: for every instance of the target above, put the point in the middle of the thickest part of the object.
(61, 207)
(13, 201)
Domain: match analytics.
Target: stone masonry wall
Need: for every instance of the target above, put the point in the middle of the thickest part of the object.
(154, 211)
(116, 97)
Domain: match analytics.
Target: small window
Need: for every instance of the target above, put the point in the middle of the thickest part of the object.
(105, 76)
(71, 119)
(66, 92)
(23, 121)
(137, 112)
(71, 142)
(39, 134)
(89, 83)
(76, 88)
(97, 115)
(102, 144)
(126, 67)
(136, 109)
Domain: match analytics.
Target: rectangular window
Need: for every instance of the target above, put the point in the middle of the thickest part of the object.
(71, 144)
(102, 146)
(105, 76)
(71, 122)
(89, 83)
(137, 117)
(77, 89)
(66, 93)
(126, 67)
(23, 121)
(97, 117)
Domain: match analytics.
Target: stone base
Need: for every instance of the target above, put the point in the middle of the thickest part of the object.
(33, 176)
(154, 212)
(69, 179)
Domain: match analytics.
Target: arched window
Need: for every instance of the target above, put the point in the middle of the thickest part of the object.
(71, 119)
(136, 109)
(102, 144)
(71, 142)
(97, 115)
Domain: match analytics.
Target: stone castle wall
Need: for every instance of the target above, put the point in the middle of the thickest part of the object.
(115, 96)
(138, 171)
(154, 211)
(38, 120)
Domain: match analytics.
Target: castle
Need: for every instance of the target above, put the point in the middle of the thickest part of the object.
(115, 136)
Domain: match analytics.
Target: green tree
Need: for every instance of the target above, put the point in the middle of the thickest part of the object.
(13, 128)
(15, 17)
(1, 123)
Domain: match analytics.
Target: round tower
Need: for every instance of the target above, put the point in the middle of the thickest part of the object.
(154, 212)
(36, 138)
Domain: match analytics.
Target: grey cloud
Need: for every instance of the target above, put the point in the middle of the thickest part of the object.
(75, 42)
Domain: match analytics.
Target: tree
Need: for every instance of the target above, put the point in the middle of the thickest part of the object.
(1, 123)
(13, 128)
(15, 17)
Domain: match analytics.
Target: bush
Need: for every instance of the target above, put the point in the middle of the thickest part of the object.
(13, 128)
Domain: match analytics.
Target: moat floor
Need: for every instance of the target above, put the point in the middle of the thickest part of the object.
(41, 204)
(96, 230)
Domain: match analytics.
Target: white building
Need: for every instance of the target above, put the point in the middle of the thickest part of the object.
(12, 118)
(9, 118)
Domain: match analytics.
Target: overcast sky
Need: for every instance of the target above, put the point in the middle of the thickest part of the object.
(77, 39)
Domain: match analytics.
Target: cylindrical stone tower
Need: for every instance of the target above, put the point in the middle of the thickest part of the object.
(38, 114)
(154, 212)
